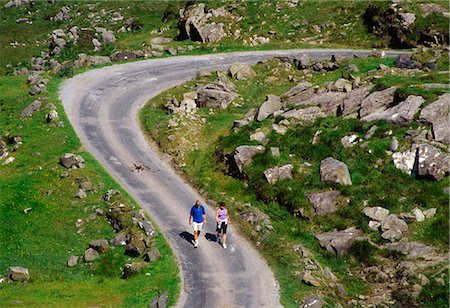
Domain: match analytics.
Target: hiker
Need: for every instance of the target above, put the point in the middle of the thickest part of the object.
(222, 220)
(197, 218)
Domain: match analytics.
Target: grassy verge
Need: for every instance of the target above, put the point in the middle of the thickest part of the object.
(376, 181)
(43, 238)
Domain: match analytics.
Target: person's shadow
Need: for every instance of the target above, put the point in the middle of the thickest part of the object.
(211, 237)
(189, 237)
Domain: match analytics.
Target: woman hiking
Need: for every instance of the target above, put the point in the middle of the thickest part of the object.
(222, 220)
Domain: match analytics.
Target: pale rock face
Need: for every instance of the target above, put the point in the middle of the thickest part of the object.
(376, 213)
(418, 214)
(349, 141)
(278, 173)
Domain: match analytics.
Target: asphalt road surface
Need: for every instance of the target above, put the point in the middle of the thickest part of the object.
(103, 104)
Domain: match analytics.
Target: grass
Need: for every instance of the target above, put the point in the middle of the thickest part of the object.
(44, 238)
(375, 179)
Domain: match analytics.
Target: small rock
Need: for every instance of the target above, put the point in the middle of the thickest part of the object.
(376, 213)
(392, 222)
(392, 235)
(16, 273)
(312, 301)
(90, 255)
(374, 225)
(160, 301)
(430, 213)
(275, 151)
(101, 245)
(80, 194)
(278, 173)
(73, 261)
(309, 279)
(418, 214)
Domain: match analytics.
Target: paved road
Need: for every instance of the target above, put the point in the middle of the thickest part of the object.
(102, 105)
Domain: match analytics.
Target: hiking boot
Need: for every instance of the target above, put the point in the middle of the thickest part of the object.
(224, 246)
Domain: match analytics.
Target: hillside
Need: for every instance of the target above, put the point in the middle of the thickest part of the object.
(312, 159)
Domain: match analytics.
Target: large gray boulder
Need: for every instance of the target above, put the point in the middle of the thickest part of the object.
(339, 242)
(241, 71)
(309, 114)
(352, 101)
(299, 88)
(107, 36)
(413, 250)
(16, 273)
(272, 104)
(101, 245)
(324, 202)
(437, 114)
(376, 213)
(392, 222)
(405, 61)
(312, 301)
(329, 102)
(333, 170)
(153, 254)
(278, 173)
(218, 94)
(196, 24)
(377, 102)
(90, 255)
(402, 113)
(72, 161)
(431, 162)
(30, 109)
(244, 154)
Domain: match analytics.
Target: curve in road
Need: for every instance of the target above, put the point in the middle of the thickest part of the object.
(103, 104)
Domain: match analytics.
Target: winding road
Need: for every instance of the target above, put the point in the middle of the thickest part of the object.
(102, 105)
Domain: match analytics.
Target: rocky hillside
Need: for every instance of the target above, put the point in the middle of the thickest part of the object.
(337, 169)
(65, 35)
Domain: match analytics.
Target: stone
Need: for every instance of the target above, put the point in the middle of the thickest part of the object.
(107, 36)
(324, 202)
(123, 55)
(418, 214)
(80, 194)
(429, 213)
(36, 89)
(402, 113)
(309, 279)
(120, 239)
(16, 273)
(241, 71)
(244, 154)
(302, 62)
(405, 61)
(407, 217)
(431, 162)
(271, 105)
(392, 235)
(30, 109)
(71, 161)
(312, 301)
(342, 85)
(160, 301)
(278, 173)
(62, 15)
(329, 102)
(86, 186)
(253, 216)
(161, 40)
(376, 213)
(172, 51)
(90, 255)
(152, 254)
(300, 87)
(338, 242)
(51, 116)
(132, 268)
(275, 151)
(374, 225)
(377, 102)
(437, 114)
(195, 24)
(407, 19)
(392, 222)
(413, 250)
(304, 115)
(352, 101)
(332, 170)
(394, 144)
(371, 132)
(17, 3)
(101, 245)
(72, 261)
(218, 94)
(349, 141)
(135, 246)
(259, 136)
(97, 44)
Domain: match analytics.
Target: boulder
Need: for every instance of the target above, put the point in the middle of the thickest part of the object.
(312, 301)
(392, 235)
(72, 161)
(299, 88)
(413, 250)
(374, 225)
(90, 255)
(275, 151)
(160, 301)
(80, 194)
(101, 245)
(302, 62)
(402, 113)
(437, 114)
(339, 242)
(244, 154)
(324, 202)
(72, 261)
(406, 61)
(392, 222)
(430, 162)
(120, 239)
(152, 254)
(135, 246)
(377, 102)
(195, 24)
(349, 141)
(16, 273)
(161, 40)
(51, 116)
(309, 279)
(259, 136)
(30, 109)
(376, 213)
(17, 3)
(332, 170)
(123, 55)
(278, 173)
(62, 15)
(329, 102)
(272, 104)
(418, 214)
(429, 213)
(309, 114)
(218, 94)
(241, 71)
(352, 100)
(342, 85)
(132, 268)
(107, 36)
(253, 216)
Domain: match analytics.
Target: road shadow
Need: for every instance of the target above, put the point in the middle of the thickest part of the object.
(211, 237)
(189, 237)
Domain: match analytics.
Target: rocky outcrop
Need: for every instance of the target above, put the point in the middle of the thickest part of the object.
(324, 202)
(243, 155)
(352, 101)
(312, 301)
(377, 102)
(16, 273)
(412, 250)
(278, 173)
(84, 60)
(437, 114)
(241, 71)
(132, 268)
(271, 105)
(218, 94)
(392, 222)
(402, 113)
(376, 213)
(72, 161)
(407, 62)
(332, 170)
(339, 242)
(304, 115)
(30, 109)
(101, 245)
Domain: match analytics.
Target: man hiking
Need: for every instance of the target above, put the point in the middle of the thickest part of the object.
(222, 220)
(197, 218)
